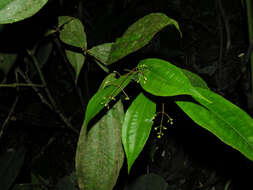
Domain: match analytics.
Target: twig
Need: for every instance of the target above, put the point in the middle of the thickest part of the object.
(51, 99)
(14, 85)
(78, 90)
(6, 121)
(9, 116)
(43, 100)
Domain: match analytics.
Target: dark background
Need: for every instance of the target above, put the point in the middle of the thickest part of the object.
(188, 157)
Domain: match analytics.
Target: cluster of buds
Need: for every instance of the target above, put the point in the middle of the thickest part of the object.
(141, 72)
(161, 127)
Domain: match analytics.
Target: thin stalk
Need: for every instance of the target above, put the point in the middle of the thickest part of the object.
(78, 90)
(50, 97)
(14, 85)
(249, 5)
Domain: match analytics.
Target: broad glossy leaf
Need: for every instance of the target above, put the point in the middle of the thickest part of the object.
(139, 34)
(224, 119)
(10, 163)
(16, 10)
(72, 32)
(76, 60)
(195, 80)
(100, 159)
(101, 52)
(6, 61)
(100, 100)
(161, 78)
(137, 126)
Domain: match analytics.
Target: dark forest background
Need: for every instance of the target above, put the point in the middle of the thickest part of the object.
(215, 35)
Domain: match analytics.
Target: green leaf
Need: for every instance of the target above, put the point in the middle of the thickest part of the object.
(108, 80)
(73, 32)
(100, 100)
(139, 34)
(76, 60)
(100, 159)
(161, 78)
(6, 61)
(16, 10)
(137, 126)
(10, 163)
(195, 80)
(101, 52)
(104, 95)
(224, 119)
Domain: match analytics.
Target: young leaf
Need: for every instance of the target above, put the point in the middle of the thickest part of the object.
(101, 100)
(137, 126)
(16, 10)
(161, 78)
(224, 119)
(139, 34)
(72, 32)
(100, 159)
(76, 60)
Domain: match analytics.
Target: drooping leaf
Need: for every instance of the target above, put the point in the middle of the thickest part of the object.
(195, 80)
(137, 126)
(139, 34)
(148, 182)
(224, 119)
(16, 10)
(72, 32)
(76, 60)
(101, 52)
(161, 78)
(6, 61)
(103, 97)
(10, 163)
(100, 159)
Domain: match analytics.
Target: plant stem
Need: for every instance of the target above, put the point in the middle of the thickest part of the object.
(249, 5)
(51, 99)
(78, 90)
(14, 85)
